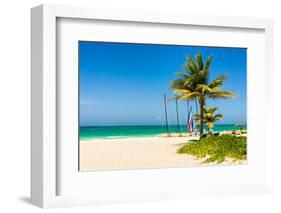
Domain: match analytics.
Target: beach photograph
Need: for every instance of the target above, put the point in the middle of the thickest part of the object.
(146, 106)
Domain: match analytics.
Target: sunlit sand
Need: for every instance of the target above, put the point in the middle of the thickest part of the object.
(135, 153)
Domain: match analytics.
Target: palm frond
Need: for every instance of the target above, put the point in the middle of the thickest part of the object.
(218, 117)
(191, 65)
(199, 61)
(180, 74)
(218, 81)
(222, 94)
(189, 96)
(208, 62)
(177, 84)
(215, 89)
(188, 81)
(212, 109)
(204, 73)
(203, 88)
(196, 117)
(183, 91)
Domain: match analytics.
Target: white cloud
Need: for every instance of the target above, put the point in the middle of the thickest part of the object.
(90, 103)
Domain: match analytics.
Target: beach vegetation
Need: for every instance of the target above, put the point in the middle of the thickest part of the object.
(217, 148)
(195, 84)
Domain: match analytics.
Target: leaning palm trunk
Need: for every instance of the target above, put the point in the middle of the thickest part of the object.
(201, 103)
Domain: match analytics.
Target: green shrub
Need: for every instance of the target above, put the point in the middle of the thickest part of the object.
(217, 148)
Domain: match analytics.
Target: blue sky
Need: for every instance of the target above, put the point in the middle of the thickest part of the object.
(123, 84)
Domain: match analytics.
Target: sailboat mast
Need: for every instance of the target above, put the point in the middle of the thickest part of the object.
(196, 106)
(187, 120)
(166, 114)
(178, 122)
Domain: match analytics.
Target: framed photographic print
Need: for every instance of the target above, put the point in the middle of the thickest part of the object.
(130, 122)
(130, 106)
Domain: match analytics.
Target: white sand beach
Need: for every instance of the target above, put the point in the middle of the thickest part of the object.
(135, 153)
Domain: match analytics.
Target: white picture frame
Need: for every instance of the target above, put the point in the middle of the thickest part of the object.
(45, 169)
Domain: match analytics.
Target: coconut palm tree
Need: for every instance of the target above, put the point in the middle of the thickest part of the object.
(209, 118)
(195, 83)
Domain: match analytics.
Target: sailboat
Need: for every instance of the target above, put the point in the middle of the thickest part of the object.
(191, 126)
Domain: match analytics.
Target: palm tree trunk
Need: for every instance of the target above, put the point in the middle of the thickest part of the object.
(202, 104)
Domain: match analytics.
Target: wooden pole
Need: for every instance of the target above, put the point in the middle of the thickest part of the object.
(166, 114)
(187, 106)
(178, 120)
(196, 106)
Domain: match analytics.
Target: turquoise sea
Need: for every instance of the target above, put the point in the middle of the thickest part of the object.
(109, 132)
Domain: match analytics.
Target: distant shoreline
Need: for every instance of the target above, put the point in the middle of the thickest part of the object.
(140, 125)
(141, 131)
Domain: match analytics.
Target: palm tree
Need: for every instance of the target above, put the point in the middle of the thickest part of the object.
(195, 83)
(209, 118)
